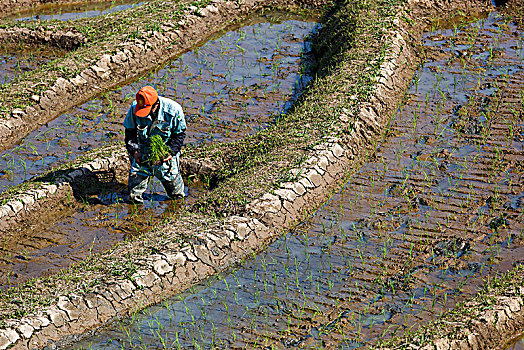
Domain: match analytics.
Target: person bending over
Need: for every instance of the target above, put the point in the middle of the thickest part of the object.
(154, 118)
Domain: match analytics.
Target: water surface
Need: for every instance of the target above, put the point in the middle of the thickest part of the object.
(229, 87)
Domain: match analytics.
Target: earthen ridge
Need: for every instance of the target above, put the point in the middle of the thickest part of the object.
(117, 63)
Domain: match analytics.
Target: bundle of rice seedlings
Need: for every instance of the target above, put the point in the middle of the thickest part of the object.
(159, 150)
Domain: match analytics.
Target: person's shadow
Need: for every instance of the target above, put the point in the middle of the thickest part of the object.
(98, 187)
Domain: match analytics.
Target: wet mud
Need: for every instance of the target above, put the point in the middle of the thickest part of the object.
(437, 208)
(230, 87)
(67, 12)
(79, 227)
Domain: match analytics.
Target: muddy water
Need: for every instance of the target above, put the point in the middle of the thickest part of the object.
(229, 87)
(437, 208)
(67, 12)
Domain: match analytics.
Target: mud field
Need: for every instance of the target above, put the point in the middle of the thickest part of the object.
(328, 206)
(437, 208)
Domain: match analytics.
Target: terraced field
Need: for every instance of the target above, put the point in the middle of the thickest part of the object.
(352, 183)
(229, 87)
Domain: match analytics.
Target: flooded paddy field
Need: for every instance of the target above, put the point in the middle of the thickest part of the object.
(82, 226)
(67, 12)
(437, 208)
(231, 86)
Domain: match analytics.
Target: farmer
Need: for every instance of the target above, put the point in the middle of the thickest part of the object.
(151, 115)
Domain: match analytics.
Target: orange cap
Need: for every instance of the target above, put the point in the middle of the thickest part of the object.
(145, 98)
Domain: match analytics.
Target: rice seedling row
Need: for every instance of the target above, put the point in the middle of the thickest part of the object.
(17, 59)
(230, 87)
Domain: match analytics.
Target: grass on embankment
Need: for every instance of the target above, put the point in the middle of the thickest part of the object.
(458, 322)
